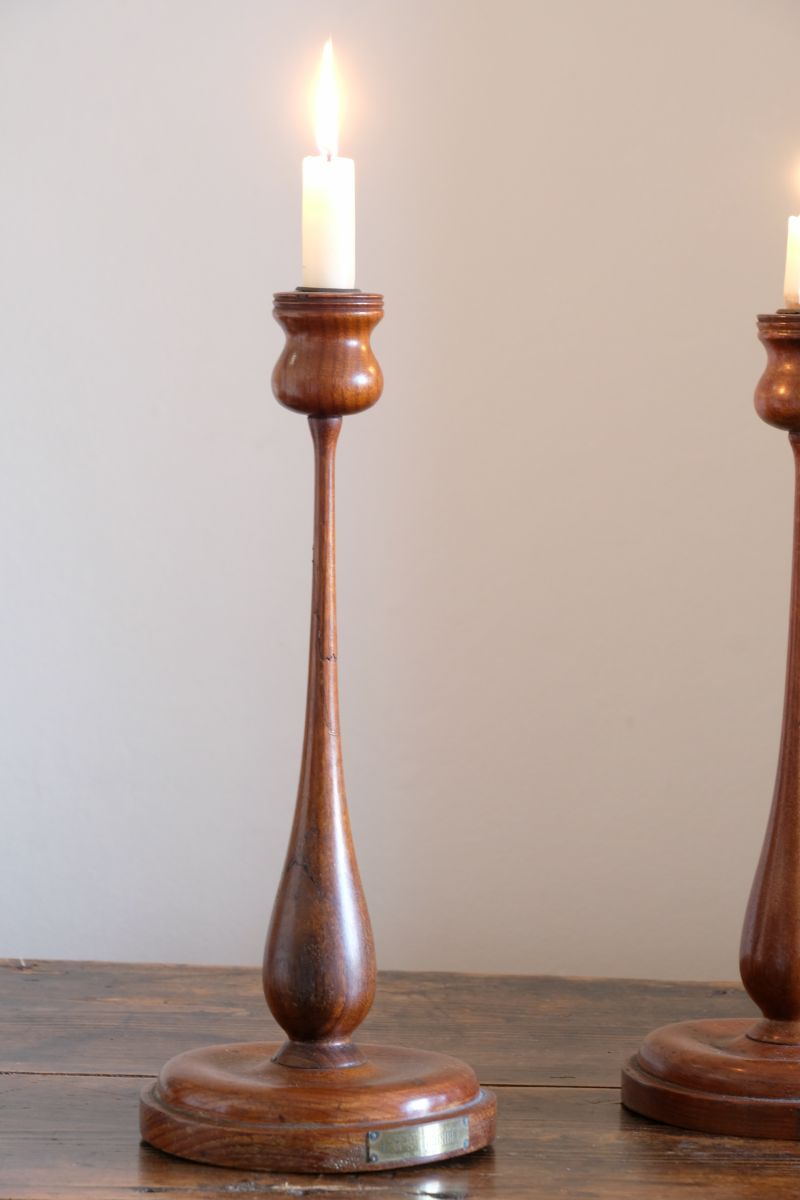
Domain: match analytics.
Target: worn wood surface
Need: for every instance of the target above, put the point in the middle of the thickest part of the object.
(78, 1041)
(127, 1019)
(76, 1138)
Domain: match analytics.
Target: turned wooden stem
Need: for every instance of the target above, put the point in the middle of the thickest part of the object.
(770, 947)
(319, 966)
(319, 961)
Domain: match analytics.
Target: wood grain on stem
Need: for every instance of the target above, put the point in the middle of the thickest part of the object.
(319, 963)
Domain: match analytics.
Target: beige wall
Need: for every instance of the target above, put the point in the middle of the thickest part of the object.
(564, 535)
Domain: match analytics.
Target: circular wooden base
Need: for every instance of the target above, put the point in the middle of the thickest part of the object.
(714, 1076)
(234, 1107)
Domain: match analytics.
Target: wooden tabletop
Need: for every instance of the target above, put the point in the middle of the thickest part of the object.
(78, 1041)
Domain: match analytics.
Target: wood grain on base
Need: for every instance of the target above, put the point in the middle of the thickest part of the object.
(713, 1076)
(235, 1106)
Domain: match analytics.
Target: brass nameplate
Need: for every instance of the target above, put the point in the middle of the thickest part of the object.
(417, 1141)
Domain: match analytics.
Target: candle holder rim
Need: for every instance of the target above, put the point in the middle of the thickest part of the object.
(309, 298)
(786, 318)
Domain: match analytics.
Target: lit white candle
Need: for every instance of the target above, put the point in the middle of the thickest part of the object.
(791, 280)
(329, 195)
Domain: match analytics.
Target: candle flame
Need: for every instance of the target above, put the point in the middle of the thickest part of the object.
(326, 106)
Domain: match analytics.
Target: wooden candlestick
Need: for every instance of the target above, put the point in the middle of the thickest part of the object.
(740, 1076)
(319, 1102)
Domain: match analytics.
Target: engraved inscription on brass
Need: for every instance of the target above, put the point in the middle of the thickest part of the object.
(417, 1141)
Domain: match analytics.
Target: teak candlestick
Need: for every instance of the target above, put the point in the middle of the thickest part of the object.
(740, 1076)
(319, 1102)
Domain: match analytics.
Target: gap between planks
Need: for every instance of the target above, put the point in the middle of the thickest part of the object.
(561, 1085)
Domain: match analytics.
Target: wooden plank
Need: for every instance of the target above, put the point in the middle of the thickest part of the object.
(65, 1137)
(128, 1018)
